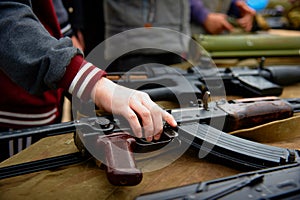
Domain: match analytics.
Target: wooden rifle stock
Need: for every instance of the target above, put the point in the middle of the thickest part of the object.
(250, 112)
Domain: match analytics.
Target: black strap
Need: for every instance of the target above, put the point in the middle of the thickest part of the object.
(39, 165)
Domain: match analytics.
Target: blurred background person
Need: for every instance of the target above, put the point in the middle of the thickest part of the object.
(68, 29)
(87, 21)
(214, 16)
(121, 16)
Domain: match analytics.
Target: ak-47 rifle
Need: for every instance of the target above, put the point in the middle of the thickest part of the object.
(281, 182)
(108, 138)
(171, 83)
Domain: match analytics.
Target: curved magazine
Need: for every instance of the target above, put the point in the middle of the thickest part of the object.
(235, 150)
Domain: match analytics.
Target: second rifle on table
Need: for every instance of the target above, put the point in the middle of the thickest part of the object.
(171, 83)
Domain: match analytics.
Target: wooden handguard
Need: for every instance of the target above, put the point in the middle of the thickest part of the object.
(252, 112)
(121, 169)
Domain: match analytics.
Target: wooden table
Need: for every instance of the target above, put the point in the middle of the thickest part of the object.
(87, 181)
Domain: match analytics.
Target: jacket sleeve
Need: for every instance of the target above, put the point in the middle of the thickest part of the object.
(198, 11)
(234, 10)
(34, 59)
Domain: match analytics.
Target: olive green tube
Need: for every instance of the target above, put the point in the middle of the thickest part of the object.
(247, 42)
(256, 53)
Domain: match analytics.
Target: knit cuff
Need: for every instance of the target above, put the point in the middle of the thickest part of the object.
(80, 78)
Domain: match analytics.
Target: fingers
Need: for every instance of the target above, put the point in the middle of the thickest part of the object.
(158, 116)
(134, 123)
(169, 119)
(246, 22)
(144, 116)
(151, 116)
(216, 23)
(147, 119)
(227, 26)
(247, 15)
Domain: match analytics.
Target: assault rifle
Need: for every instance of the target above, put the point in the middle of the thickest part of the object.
(108, 138)
(171, 83)
(281, 182)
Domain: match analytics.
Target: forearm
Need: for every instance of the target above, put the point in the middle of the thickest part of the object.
(29, 51)
(30, 56)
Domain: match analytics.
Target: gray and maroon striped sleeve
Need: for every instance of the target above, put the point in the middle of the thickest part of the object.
(80, 77)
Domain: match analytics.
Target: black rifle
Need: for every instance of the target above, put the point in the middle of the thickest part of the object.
(171, 83)
(282, 182)
(201, 127)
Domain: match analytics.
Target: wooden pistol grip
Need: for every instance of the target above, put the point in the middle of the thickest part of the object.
(121, 169)
(250, 114)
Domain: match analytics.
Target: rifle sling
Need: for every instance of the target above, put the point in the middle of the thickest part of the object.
(275, 131)
(39, 165)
